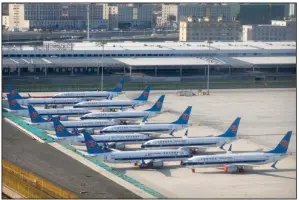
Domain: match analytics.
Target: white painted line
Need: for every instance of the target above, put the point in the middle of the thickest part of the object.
(11, 193)
(102, 171)
(14, 61)
(25, 61)
(24, 130)
(47, 61)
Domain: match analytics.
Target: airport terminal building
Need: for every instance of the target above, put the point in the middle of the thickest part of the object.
(149, 57)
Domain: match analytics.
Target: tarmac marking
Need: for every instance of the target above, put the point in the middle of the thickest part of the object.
(102, 171)
(24, 130)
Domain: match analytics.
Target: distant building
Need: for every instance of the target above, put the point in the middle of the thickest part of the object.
(202, 29)
(56, 16)
(278, 30)
(174, 12)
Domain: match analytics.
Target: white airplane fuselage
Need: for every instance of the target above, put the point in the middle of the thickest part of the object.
(233, 159)
(87, 95)
(71, 112)
(126, 115)
(136, 156)
(144, 128)
(109, 103)
(43, 101)
(187, 142)
(96, 124)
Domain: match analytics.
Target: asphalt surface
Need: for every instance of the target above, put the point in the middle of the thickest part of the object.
(53, 165)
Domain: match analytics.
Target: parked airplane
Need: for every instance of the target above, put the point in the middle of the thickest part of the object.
(94, 94)
(143, 159)
(15, 95)
(63, 114)
(179, 124)
(88, 125)
(117, 141)
(116, 103)
(237, 162)
(123, 116)
(47, 101)
(196, 143)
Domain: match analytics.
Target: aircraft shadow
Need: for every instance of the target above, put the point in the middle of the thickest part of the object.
(262, 172)
(166, 170)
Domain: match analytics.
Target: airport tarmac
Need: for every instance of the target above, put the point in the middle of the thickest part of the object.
(267, 114)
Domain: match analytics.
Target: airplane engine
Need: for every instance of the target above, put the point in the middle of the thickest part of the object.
(59, 106)
(63, 118)
(158, 164)
(88, 130)
(120, 146)
(232, 169)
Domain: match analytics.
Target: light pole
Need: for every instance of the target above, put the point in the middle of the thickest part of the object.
(102, 44)
(208, 80)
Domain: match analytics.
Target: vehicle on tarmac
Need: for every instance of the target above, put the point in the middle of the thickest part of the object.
(152, 129)
(196, 143)
(116, 103)
(238, 162)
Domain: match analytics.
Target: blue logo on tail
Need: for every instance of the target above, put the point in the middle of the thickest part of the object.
(145, 94)
(283, 145)
(60, 130)
(119, 86)
(13, 103)
(184, 118)
(14, 94)
(233, 129)
(157, 107)
(91, 145)
(34, 115)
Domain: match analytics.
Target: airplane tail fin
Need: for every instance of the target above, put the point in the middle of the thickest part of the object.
(91, 145)
(14, 94)
(60, 130)
(283, 145)
(157, 107)
(233, 129)
(184, 118)
(145, 94)
(119, 86)
(34, 115)
(13, 104)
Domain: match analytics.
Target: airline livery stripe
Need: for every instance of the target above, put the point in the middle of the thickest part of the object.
(153, 157)
(223, 162)
(123, 131)
(79, 96)
(178, 144)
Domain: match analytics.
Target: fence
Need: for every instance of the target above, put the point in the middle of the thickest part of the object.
(30, 185)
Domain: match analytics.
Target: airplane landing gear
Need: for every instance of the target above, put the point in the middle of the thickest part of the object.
(193, 170)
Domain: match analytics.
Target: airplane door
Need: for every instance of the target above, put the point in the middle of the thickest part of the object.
(105, 158)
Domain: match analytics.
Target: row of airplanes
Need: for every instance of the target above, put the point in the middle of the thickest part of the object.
(115, 133)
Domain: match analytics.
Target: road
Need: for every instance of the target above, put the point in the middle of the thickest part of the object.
(51, 164)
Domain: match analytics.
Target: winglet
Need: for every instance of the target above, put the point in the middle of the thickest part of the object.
(157, 107)
(13, 104)
(283, 145)
(186, 134)
(145, 94)
(184, 118)
(34, 115)
(14, 94)
(230, 148)
(91, 145)
(274, 164)
(232, 130)
(171, 133)
(221, 147)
